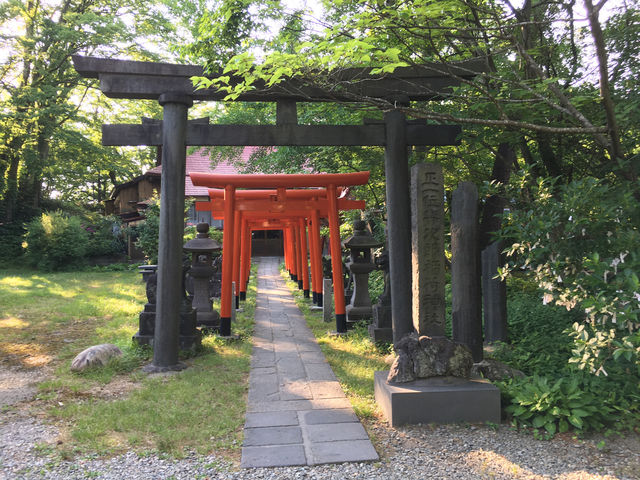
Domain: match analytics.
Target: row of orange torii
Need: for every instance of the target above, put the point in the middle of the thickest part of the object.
(292, 203)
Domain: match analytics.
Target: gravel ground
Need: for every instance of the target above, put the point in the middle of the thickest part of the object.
(418, 452)
(27, 451)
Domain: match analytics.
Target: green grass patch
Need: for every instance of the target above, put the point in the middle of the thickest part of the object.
(116, 408)
(353, 357)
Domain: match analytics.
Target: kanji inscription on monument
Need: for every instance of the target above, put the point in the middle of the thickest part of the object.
(427, 246)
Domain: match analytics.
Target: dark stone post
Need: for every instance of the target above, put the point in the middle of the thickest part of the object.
(169, 298)
(494, 295)
(465, 275)
(398, 222)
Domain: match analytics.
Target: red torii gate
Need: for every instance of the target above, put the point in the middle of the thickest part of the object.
(269, 199)
(292, 220)
(281, 182)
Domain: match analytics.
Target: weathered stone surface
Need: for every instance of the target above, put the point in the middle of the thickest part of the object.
(494, 370)
(466, 302)
(427, 357)
(402, 370)
(427, 245)
(96, 355)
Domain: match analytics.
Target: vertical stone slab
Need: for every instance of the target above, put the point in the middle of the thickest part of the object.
(169, 299)
(327, 300)
(465, 276)
(398, 222)
(233, 307)
(494, 295)
(427, 249)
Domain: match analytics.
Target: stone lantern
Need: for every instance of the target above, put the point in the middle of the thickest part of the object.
(202, 248)
(360, 265)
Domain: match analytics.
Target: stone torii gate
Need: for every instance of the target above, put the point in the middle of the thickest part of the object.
(172, 87)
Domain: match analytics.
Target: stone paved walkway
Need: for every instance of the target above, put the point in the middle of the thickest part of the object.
(297, 413)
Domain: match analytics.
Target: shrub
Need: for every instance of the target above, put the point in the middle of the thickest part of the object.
(579, 242)
(54, 241)
(539, 342)
(105, 236)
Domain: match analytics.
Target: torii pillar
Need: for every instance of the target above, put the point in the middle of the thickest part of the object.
(174, 152)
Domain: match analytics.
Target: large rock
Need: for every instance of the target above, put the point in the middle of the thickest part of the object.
(97, 355)
(427, 357)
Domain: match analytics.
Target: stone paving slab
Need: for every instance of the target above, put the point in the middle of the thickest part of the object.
(297, 413)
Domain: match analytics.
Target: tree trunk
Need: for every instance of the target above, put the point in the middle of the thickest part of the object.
(494, 205)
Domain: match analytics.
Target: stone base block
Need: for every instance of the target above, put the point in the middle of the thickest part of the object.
(186, 342)
(437, 400)
(381, 334)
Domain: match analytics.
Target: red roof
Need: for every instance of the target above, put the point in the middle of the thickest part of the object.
(200, 161)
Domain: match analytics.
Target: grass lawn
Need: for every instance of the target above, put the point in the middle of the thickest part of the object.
(46, 319)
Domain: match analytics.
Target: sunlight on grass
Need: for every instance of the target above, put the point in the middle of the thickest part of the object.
(13, 322)
(16, 282)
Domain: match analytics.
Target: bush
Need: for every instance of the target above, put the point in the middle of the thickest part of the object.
(579, 242)
(556, 396)
(539, 342)
(55, 242)
(105, 237)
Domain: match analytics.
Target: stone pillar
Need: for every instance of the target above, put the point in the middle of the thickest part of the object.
(427, 248)
(233, 310)
(465, 276)
(398, 223)
(380, 330)
(174, 131)
(327, 300)
(494, 295)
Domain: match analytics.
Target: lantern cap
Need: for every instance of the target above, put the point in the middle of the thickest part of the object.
(361, 237)
(202, 243)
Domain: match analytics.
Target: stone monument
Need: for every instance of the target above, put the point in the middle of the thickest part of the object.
(427, 245)
(430, 379)
(466, 308)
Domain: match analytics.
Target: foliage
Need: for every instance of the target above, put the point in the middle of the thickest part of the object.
(555, 406)
(533, 90)
(538, 340)
(553, 388)
(10, 242)
(55, 242)
(49, 117)
(579, 242)
(147, 232)
(105, 236)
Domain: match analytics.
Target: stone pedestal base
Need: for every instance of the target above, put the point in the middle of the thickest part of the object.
(356, 314)
(210, 320)
(437, 400)
(381, 334)
(380, 330)
(190, 336)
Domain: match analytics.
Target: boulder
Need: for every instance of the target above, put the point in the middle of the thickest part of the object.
(97, 355)
(427, 357)
(494, 370)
